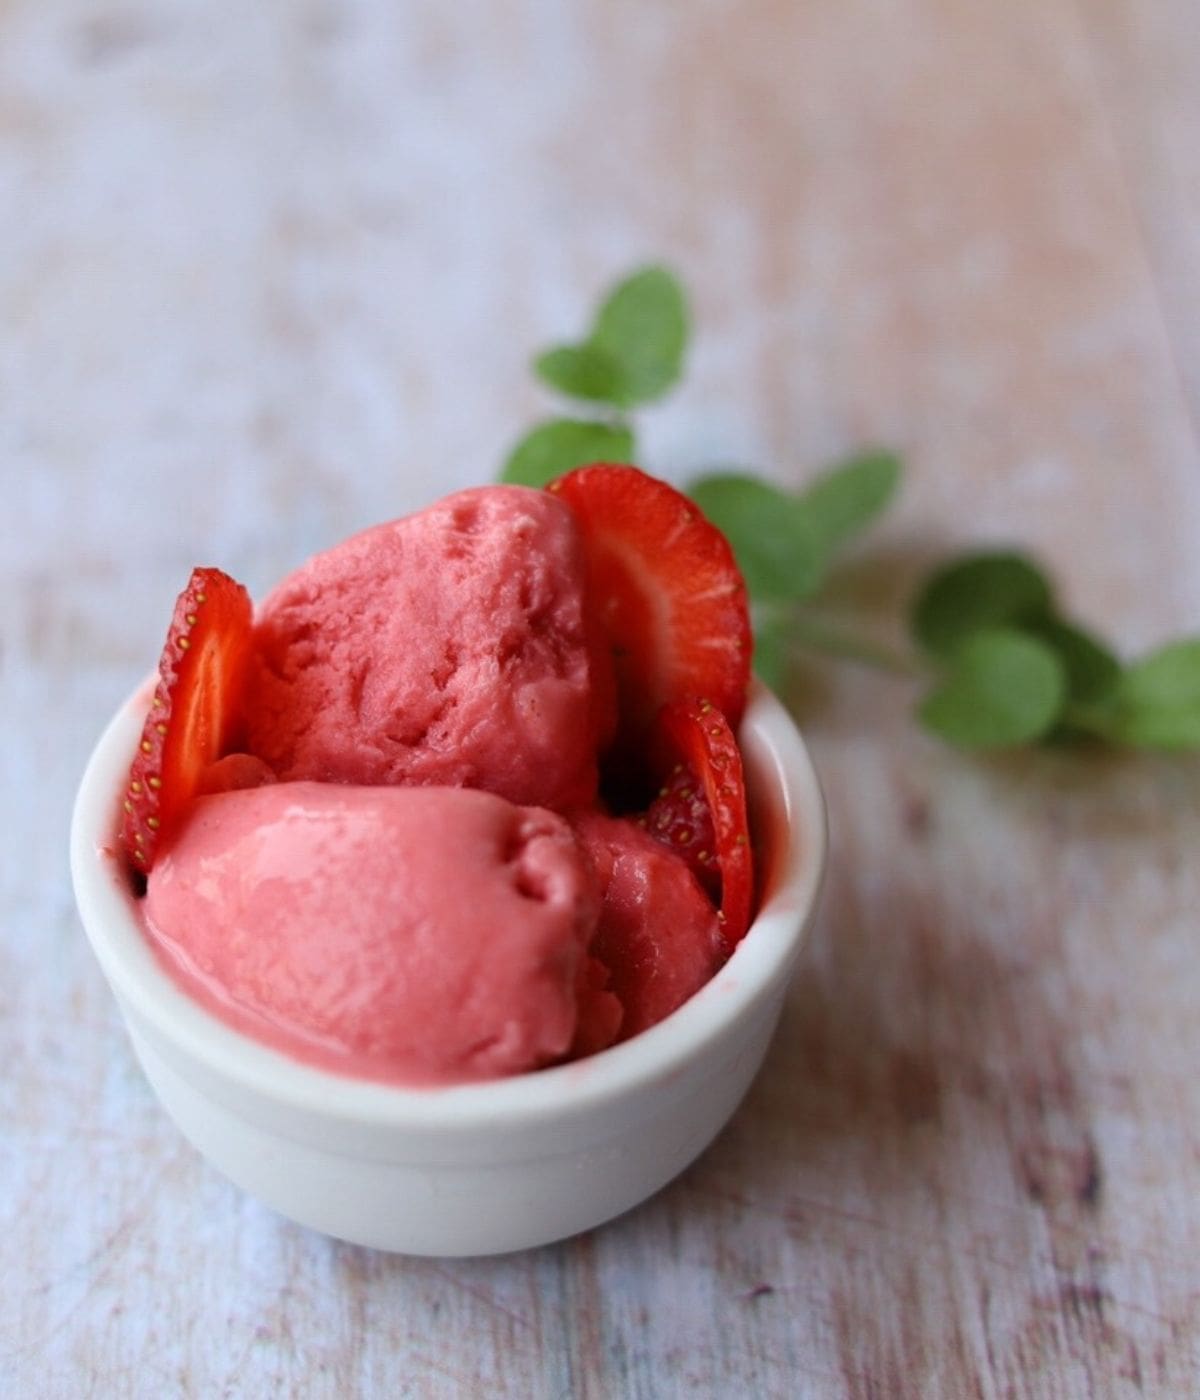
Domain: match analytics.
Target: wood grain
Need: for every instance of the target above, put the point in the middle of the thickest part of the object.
(1147, 65)
(269, 273)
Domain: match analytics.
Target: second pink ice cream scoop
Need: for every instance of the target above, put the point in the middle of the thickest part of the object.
(414, 934)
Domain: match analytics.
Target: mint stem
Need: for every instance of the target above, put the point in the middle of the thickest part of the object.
(1089, 719)
(813, 634)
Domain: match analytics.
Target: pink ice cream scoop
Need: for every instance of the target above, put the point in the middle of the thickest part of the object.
(453, 647)
(658, 935)
(423, 935)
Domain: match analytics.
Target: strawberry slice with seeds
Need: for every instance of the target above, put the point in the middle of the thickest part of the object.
(668, 592)
(700, 737)
(679, 817)
(195, 710)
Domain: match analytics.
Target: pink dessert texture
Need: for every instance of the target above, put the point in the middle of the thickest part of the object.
(408, 874)
(427, 935)
(452, 647)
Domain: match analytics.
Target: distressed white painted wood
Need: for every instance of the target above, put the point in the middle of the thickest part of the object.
(270, 272)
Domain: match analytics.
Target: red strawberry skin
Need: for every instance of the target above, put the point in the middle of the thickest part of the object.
(194, 712)
(700, 738)
(668, 591)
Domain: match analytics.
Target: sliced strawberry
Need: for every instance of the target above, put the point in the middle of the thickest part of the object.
(668, 591)
(698, 733)
(679, 817)
(194, 712)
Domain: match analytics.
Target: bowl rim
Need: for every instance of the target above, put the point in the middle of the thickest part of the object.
(776, 759)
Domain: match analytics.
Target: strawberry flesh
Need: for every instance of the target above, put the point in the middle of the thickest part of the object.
(194, 712)
(699, 736)
(679, 817)
(668, 592)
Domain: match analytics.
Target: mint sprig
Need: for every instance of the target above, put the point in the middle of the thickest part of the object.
(1151, 703)
(632, 355)
(786, 541)
(846, 498)
(779, 553)
(634, 351)
(1002, 665)
(1001, 688)
(1156, 702)
(975, 592)
(561, 444)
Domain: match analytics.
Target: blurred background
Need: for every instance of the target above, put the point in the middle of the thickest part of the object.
(271, 272)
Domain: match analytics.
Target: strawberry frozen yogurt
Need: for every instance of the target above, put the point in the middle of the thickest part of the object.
(420, 934)
(369, 818)
(451, 647)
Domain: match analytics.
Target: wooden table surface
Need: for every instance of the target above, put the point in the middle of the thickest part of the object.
(270, 272)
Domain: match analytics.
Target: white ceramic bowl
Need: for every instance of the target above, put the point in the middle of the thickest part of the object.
(476, 1168)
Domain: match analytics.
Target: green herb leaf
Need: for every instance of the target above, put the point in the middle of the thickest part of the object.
(772, 647)
(634, 352)
(1091, 668)
(772, 541)
(848, 497)
(583, 372)
(783, 540)
(562, 444)
(1157, 701)
(643, 325)
(1003, 688)
(976, 592)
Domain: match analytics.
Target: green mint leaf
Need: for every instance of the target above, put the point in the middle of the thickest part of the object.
(643, 325)
(976, 592)
(1003, 688)
(1091, 669)
(561, 444)
(583, 372)
(1157, 701)
(634, 351)
(848, 497)
(772, 648)
(774, 547)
